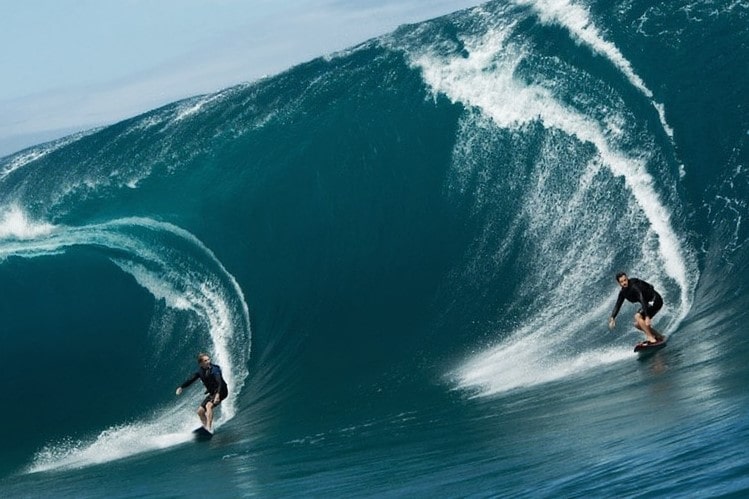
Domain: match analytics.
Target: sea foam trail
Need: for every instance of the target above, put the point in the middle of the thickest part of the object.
(179, 270)
(576, 19)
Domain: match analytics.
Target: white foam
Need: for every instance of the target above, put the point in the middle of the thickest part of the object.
(15, 224)
(116, 443)
(523, 364)
(159, 287)
(576, 19)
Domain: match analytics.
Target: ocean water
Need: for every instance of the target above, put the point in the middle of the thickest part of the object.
(402, 256)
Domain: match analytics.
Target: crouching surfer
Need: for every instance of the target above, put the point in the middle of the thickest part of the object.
(639, 291)
(215, 388)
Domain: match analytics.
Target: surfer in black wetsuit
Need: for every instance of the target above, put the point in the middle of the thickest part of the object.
(215, 388)
(638, 291)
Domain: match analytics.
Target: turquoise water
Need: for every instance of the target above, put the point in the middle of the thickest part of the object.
(402, 256)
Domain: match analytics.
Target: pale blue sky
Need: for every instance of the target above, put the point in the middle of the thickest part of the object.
(70, 65)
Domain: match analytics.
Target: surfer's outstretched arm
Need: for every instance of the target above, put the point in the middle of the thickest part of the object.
(612, 318)
(189, 381)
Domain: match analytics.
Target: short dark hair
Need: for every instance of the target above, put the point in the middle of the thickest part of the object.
(619, 275)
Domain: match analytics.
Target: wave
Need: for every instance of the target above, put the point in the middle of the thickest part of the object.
(181, 274)
(454, 197)
(494, 70)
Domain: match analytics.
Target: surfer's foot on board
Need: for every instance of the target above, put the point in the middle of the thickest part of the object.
(658, 339)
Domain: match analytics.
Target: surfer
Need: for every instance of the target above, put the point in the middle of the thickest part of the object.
(638, 291)
(215, 388)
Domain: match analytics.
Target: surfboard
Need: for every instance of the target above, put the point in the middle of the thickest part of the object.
(646, 347)
(202, 434)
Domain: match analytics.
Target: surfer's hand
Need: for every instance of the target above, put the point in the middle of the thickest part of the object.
(179, 390)
(612, 323)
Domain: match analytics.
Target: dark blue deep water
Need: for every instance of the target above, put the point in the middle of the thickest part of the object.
(403, 258)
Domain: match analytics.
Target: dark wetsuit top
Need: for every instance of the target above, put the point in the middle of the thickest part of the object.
(639, 291)
(212, 379)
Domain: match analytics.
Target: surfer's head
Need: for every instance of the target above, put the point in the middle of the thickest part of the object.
(204, 358)
(622, 279)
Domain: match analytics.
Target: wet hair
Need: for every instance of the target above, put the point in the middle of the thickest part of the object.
(620, 275)
(201, 355)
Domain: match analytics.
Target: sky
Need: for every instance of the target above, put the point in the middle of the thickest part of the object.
(72, 65)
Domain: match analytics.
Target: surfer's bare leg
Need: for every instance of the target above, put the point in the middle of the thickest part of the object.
(208, 423)
(658, 336)
(202, 414)
(644, 325)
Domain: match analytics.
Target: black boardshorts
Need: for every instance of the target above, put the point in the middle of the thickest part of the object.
(653, 307)
(210, 398)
